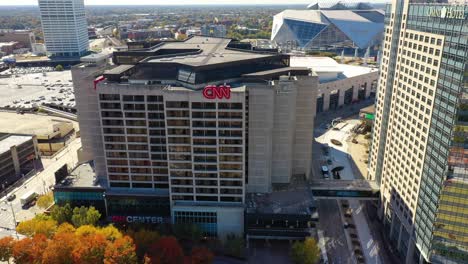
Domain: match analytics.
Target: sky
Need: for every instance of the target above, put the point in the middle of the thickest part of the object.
(178, 2)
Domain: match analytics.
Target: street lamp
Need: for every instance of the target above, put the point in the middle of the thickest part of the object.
(105, 203)
(14, 217)
(44, 184)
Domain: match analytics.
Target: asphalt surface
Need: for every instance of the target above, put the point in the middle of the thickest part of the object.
(333, 232)
(38, 183)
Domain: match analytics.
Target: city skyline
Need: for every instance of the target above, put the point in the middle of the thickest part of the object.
(183, 2)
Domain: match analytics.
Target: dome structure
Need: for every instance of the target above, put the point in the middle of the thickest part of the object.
(339, 5)
(329, 25)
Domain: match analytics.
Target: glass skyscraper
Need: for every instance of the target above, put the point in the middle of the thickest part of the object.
(419, 152)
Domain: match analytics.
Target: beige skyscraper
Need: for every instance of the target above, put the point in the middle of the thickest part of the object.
(420, 138)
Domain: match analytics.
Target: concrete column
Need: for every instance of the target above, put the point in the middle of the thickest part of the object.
(392, 225)
(355, 91)
(326, 99)
(340, 97)
(14, 157)
(368, 88)
(410, 252)
(399, 236)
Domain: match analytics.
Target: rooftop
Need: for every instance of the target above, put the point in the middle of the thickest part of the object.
(280, 202)
(193, 63)
(33, 124)
(12, 140)
(206, 50)
(324, 65)
(82, 175)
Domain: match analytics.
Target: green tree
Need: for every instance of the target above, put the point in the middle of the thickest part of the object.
(188, 232)
(306, 252)
(234, 246)
(85, 216)
(62, 214)
(45, 201)
(143, 239)
(59, 68)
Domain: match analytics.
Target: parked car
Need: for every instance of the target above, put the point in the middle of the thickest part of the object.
(11, 197)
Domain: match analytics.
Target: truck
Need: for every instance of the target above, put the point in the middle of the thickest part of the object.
(27, 198)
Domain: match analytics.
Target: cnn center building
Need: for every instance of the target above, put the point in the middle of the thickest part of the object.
(195, 125)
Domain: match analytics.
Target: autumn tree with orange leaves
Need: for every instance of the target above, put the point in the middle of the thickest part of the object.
(6, 248)
(29, 250)
(166, 251)
(122, 250)
(201, 255)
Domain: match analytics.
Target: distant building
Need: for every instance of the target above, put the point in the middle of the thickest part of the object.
(213, 30)
(329, 27)
(193, 32)
(65, 27)
(8, 48)
(39, 49)
(17, 154)
(154, 33)
(339, 84)
(25, 38)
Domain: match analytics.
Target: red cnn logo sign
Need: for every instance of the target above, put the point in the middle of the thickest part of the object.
(220, 92)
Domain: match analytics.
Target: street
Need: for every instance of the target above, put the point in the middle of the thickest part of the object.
(38, 183)
(329, 210)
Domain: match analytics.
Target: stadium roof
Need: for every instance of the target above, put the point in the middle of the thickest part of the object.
(339, 5)
(362, 27)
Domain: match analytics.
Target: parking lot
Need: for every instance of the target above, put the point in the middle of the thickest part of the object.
(32, 88)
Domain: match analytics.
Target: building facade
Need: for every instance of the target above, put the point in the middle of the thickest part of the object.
(420, 138)
(200, 125)
(65, 27)
(17, 152)
(25, 38)
(214, 30)
(339, 84)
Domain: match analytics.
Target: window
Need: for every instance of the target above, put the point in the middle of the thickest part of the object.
(109, 97)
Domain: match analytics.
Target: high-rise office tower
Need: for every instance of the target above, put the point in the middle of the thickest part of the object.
(420, 138)
(64, 26)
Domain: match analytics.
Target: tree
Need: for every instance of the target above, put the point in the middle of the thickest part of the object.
(306, 252)
(59, 249)
(37, 226)
(85, 216)
(45, 201)
(85, 230)
(90, 250)
(29, 250)
(201, 255)
(110, 232)
(59, 68)
(234, 246)
(66, 228)
(6, 249)
(166, 251)
(187, 231)
(62, 214)
(143, 239)
(122, 250)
